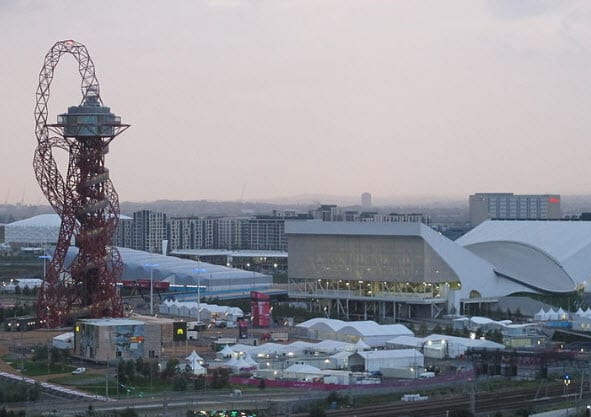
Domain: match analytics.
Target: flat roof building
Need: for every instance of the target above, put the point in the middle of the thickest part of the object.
(109, 340)
(382, 271)
(508, 206)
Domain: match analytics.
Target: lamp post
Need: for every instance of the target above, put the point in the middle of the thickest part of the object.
(45, 258)
(199, 270)
(253, 275)
(151, 266)
(566, 381)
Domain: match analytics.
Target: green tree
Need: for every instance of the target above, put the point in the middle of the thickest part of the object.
(317, 410)
(200, 383)
(180, 383)
(220, 378)
(171, 369)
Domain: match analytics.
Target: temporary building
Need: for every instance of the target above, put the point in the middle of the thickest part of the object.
(457, 346)
(340, 360)
(331, 346)
(376, 360)
(302, 372)
(372, 333)
(375, 335)
(63, 341)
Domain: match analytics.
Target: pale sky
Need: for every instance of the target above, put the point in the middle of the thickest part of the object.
(274, 98)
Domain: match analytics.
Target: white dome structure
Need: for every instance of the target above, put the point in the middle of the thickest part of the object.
(39, 230)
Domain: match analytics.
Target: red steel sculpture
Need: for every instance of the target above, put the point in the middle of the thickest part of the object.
(83, 197)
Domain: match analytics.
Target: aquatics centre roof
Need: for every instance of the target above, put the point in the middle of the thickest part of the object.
(547, 255)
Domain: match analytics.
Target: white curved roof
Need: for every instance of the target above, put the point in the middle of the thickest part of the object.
(371, 328)
(562, 248)
(303, 369)
(179, 271)
(43, 228)
(362, 329)
(481, 320)
(321, 323)
(184, 270)
(43, 220)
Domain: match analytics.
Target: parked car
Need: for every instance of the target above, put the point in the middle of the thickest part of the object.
(78, 371)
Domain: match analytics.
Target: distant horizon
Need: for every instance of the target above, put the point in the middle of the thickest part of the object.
(312, 198)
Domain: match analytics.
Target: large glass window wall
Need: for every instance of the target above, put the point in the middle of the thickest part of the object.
(370, 289)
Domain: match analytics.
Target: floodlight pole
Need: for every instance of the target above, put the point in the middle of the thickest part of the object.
(45, 258)
(198, 270)
(151, 266)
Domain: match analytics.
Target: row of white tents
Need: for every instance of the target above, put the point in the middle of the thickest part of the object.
(194, 362)
(558, 314)
(200, 311)
(292, 350)
(373, 334)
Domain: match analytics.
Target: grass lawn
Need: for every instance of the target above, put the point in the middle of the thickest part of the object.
(28, 367)
(98, 384)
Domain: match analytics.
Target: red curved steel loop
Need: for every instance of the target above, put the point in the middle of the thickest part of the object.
(85, 200)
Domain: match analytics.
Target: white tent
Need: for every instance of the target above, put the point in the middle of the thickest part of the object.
(562, 315)
(361, 345)
(194, 357)
(552, 315)
(196, 368)
(302, 372)
(226, 353)
(541, 315)
(249, 360)
(243, 365)
(237, 365)
(340, 360)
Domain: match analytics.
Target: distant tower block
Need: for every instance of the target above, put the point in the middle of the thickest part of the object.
(366, 200)
(83, 196)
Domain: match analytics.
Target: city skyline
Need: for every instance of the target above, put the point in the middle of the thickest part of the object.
(262, 100)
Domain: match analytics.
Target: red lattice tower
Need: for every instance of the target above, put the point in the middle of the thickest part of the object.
(84, 197)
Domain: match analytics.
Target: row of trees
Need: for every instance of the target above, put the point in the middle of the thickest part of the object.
(11, 391)
(140, 372)
(17, 310)
(54, 355)
(25, 291)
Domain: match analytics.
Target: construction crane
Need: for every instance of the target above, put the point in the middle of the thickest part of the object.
(81, 194)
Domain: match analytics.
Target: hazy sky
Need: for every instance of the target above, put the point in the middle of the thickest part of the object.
(271, 98)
